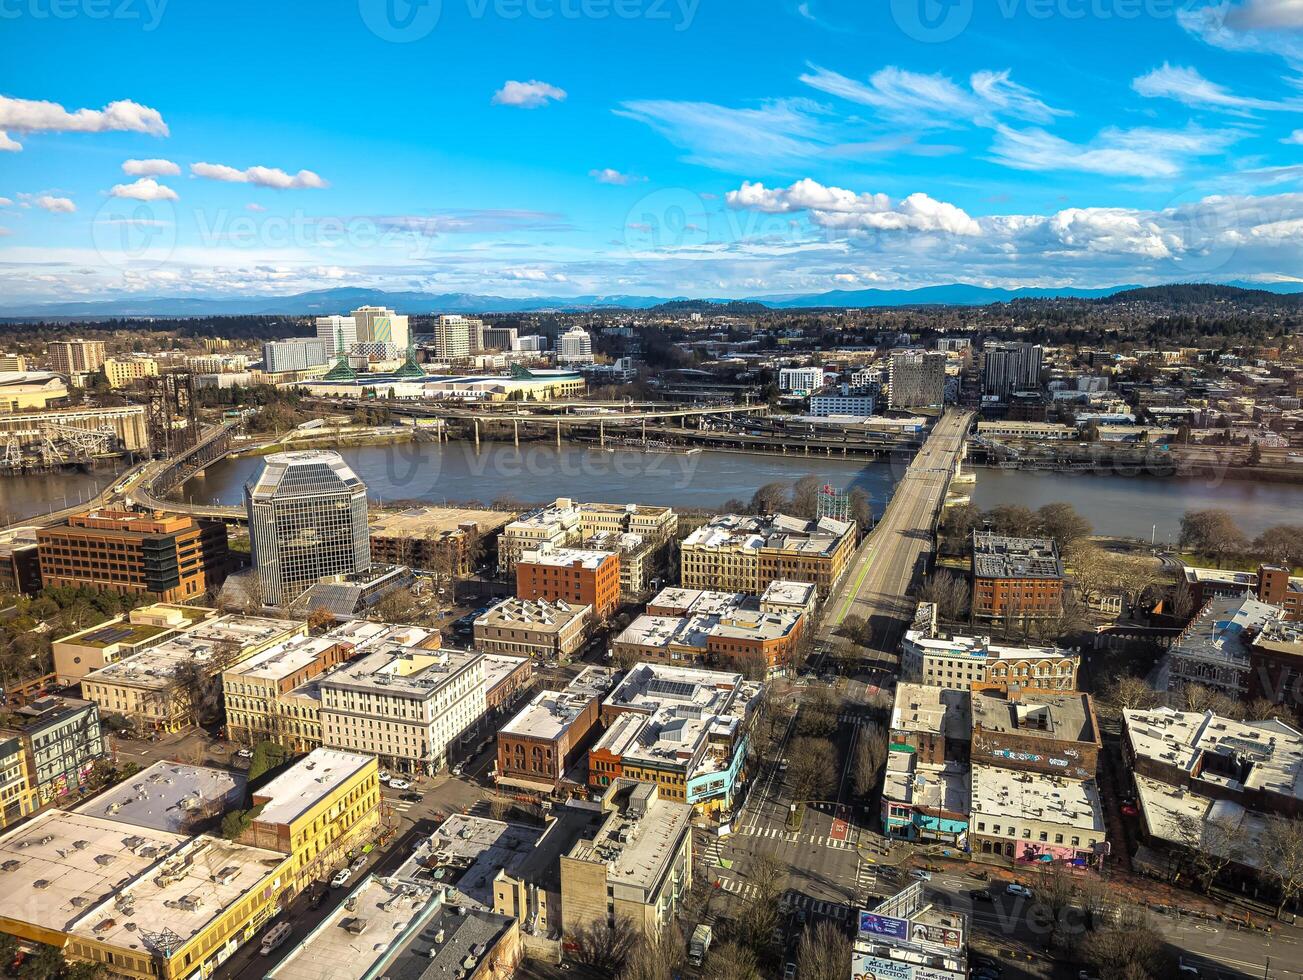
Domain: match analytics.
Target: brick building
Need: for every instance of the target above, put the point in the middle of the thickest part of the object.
(579, 577)
(171, 557)
(1016, 578)
(552, 733)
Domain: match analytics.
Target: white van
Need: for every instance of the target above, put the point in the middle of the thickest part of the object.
(278, 934)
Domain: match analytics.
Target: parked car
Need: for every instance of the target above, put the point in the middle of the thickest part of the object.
(459, 768)
(981, 895)
(921, 875)
(245, 753)
(359, 862)
(399, 784)
(1013, 888)
(341, 878)
(1129, 810)
(789, 971)
(383, 776)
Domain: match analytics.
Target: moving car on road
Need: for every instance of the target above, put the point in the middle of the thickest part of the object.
(1013, 888)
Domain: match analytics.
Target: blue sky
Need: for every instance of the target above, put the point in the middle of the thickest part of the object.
(667, 147)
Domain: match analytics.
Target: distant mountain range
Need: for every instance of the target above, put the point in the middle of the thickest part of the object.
(324, 301)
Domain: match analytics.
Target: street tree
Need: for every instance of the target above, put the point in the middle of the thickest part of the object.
(659, 955)
(1210, 845)
(811, 767)
(601, 946)
(949, 592)
(731, 960)
(824, 953)
(1282, 857)
(870, 754)
(1134, 951)
(818, 715)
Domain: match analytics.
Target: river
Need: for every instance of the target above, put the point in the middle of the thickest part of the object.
(536, 472)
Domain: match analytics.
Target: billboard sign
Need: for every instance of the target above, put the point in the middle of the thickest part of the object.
(865, 966)
(884, 925)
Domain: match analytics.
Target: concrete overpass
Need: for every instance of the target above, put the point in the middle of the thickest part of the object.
(890, 562)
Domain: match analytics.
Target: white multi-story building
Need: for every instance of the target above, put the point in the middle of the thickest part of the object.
(457, 337)
(858, 402)
(801, 381)
(533, 343)
(338, 333)
(405, 705)
(574, 346)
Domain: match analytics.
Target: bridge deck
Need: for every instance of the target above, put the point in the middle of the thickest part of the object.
(892, 558)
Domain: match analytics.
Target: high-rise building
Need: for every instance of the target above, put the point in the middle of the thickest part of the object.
(532, 343)
(498, 338)
(1007, 368)
(338, 333)
(800, 381)
(12, 363)
(457, 337)
(574, 346)
(307, 520)
(75, 356)
(917, 380)
(169, 556)
(380, 325)
(295, 354)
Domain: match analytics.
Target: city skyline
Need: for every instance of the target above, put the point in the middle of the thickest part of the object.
(647, 147)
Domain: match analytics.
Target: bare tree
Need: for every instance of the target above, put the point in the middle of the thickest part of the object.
(1056, 892)
(731, 961)
(1282, 857)
(1135, 951)
(812, 768)
(1128, 692)
(601, 946)
(870, 754)
(759, 913)
(1210, 846)
(818, 715)
(949, 592)
(656, 956)
(824, 953)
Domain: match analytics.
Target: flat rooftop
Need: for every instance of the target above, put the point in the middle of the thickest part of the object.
(351, 942)
(416, 522)
(566, 557)
(918, 784)
(1000, 556)
(401, 671)
(196, 885)
(1074, 803)
(932, 710)
(471, 850)
(647, 687)
(295, 791)
(537, 615)
(1225, 628)
(499, 666)
(61, 864)
(169, 796)
(283, 659)
(1235, 756)
(777, 532)
(640, 861)
(1063, 717)
(116, 632)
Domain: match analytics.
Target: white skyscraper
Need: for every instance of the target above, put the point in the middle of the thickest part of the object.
(334, 330)
(379, 325)
(574, 346)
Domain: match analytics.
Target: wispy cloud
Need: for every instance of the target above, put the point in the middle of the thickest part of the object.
(1140, 152)
(607, 175)
(1187, 86)
(150, 168)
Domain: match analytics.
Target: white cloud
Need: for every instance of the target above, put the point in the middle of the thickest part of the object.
(609, 176)
(1295, 137)
(150, 168)
(5, 202)
(55, 205)
(1188, 87)
(1142, 152)
(261, 176)
(936, 99)
(30, 116)
(254, 207)
(532, 275)
(835, 208)
(144, 189)
(528, 95)
(1268, 15)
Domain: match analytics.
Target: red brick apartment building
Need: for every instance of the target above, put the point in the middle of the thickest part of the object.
(171, 557)
(579, 576)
